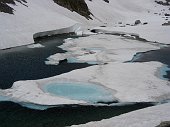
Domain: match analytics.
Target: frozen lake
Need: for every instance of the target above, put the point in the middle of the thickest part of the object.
(23, 63)
(30, 64)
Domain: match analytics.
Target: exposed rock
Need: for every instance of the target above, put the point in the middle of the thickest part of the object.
(107, 1)
(166, 3)
(4, 7)
(164, 124)
(93, 31)
(78, 6)
(137, 22)
(166, 24)
(102, 26)
(145, 23)
(167, 14)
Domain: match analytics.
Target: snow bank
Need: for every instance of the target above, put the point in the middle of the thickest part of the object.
(121, 15)
(152, 32)
(148, 117)
(122, 11)
(39, 16)
(71, 29)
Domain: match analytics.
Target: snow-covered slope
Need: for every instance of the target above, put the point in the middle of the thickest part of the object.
(39, 16)
(35, 16)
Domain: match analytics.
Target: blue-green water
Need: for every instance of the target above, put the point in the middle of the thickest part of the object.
(75, 60)
(3, 98)
(164, 71)
(80, 91)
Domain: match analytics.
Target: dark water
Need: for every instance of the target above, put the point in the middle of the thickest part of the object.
(14, 115)
(23, 63)
(162, 55)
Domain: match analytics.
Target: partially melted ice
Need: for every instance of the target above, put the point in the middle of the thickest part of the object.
(80, 91)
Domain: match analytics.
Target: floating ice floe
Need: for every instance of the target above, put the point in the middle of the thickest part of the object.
(100, 49)
(35, 46)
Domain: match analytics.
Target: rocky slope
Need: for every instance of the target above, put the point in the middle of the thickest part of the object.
(4, 5)
(78, 6)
